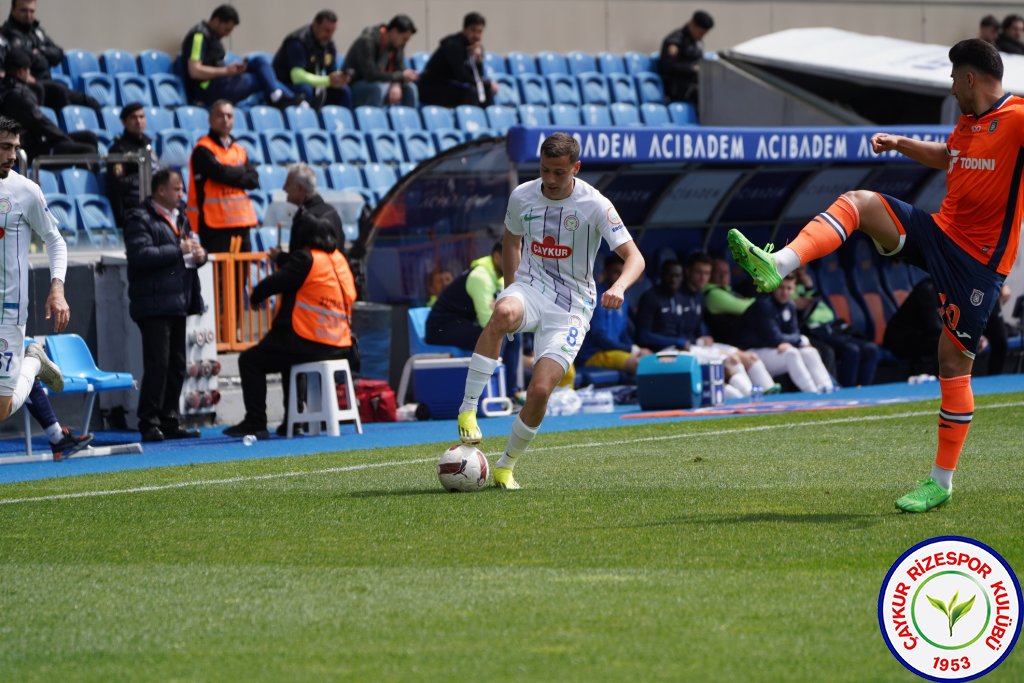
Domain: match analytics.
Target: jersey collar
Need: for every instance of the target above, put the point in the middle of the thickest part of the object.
(995, 105)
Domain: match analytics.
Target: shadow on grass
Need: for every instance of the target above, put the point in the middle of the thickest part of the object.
(384, 493)
(851, 521)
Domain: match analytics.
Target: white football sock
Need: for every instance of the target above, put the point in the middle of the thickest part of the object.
(55, 433)
(23, 385)
(943, 477)
(786, 261)
(518, 441)
(759, 374)
(480, 370)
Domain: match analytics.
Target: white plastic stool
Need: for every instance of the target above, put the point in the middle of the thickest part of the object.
(322, 398)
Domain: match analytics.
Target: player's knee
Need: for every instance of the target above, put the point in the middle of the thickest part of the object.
(859, 198)
(504, 317)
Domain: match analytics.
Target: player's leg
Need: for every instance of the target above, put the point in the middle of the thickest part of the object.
(547, 373)
(798, 371)
(63, 441)
(812, 359)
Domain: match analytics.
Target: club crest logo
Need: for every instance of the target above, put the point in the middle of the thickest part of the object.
(992, 126)
(3, 345)
(613, 216)
(949, 609)
(550, 249)
(5, 205)
(976, 297)
(571, 222)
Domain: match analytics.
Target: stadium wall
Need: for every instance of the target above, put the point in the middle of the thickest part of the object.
(524, 25)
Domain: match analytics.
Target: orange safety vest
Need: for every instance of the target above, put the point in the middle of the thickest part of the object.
(323, 305)
(223, 206)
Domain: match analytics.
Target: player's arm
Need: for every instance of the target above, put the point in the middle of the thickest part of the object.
(511, 255)
(44, 225)
(198, 71)
(631, 272)
(931, 154)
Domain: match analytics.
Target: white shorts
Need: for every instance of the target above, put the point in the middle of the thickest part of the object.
(558, 334)
(12, 350)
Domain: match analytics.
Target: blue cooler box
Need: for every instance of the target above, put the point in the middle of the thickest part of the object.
(712, 384)
(668, 381)
(439, 384)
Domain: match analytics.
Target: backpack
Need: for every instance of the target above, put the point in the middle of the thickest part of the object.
(375, 398)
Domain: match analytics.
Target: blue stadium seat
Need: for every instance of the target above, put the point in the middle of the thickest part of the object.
(501, 118)
(117, 62)
(610, 63)
(336, 119)
(155, 62)
(655, 114)
(565, 115)
(158, 119)
(133, 88)
(682, 113)
(271, 177)
(242, 124)
(259, 200)
(76, 181)
(595, 115)
(649, 87)
(533, 89)
(419, 145)
(320, 175)
(378, 177)
(625, 114)
(404, 118)
(50, 114)
(580, 63)
(435, 118)
(78, 62)
(246, 138)
(110, 119)
(369, 119)
(637, 62)
(100, 87)
(385, 147)
(97, 220)
(534, 115)
(470, 118)
(265, 118)
(494, 64)
(192, 118)
(446, 138)
(831, 281)
(864, 270)
(623, 89)
(418, 60)
(316, 147)
(301, 118)
(167, 89)
(508, 90)
(594, 88)
(520, 63)
(63, 209)
(552, 63)
(343, 176)
(417, 331)
(405, 168)
(479, 133)
(62, 78)
(351, 147)
(72, 355)
(174, 147)
(280, 146)
(898, 280)
(75, 118)
(564, 89)
(48, 182)
(369, 196)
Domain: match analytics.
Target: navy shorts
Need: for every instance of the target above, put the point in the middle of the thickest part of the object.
(968, 289)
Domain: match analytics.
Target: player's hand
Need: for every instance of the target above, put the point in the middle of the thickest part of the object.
(411, 75)
(884, 142)
(395, 93)
(57, 307)
(612, 299)
(339, 79)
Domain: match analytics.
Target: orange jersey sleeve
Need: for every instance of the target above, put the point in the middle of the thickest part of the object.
(982, 210)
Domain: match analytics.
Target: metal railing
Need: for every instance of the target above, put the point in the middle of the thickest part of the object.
(239, 325)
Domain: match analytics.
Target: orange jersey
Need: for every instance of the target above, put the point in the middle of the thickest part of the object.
(982, 209)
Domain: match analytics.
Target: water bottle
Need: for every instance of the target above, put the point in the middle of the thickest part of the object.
(248, 440)
(756, 393)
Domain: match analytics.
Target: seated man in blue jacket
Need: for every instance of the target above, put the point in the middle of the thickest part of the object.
(609, 343)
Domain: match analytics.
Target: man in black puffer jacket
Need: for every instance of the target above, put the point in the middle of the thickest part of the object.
(163, 289)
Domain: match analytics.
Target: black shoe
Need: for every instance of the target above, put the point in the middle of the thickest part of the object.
(70, 444)
(297, 429)
(150, 434)
(177, 432)
(244, 428)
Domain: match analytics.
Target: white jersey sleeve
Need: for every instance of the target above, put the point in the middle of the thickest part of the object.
(608, 223)
(42, 222)
(513, 217)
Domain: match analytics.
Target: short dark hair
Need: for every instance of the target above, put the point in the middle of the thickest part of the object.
(323, 236)
(561, 145)
(666, 265)
(703, 19)
(161, 178)
(473, 19)
(1010, 19)
(227, 14)
(989, 21)
(17, 59)
(130, 109)
(325, 15)
(401, 23)
(698, 257)
(9, 126)
(979, 55)
(498, 247)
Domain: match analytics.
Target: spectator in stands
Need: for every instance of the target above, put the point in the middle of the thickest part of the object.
(207, 78)
(771, 329)
(1009, 40)
(376, 61)
(22, 31)
(300, 189)
(308, 61)
(723, 307)
(20, 102)
(681, 54)
(123, 178)
(163, 289)
(219, 174)
(455, 73)
(312, 324)
(988, 29)
(437, 280)
(609, 343)
(914, 330)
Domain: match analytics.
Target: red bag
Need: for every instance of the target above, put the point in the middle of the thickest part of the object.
(375, 398)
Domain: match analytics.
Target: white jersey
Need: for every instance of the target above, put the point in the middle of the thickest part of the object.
(561, 239)
(23, 208)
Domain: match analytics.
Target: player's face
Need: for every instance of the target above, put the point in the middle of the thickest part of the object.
(9, 145)
(170, 195)
(672, 279)
(397, 39)
(557, 176)
(474, 34)
(962, 90)
(222, 120)
(784, 292)
(697, 276)
(720, 274)
(24, 12)
(135, 123)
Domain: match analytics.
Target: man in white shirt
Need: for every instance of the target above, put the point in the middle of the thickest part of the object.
(550, 288)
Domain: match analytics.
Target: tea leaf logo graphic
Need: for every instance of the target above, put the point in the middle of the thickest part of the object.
(953, 611)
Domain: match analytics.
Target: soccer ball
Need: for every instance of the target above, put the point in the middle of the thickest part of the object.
(463, 468)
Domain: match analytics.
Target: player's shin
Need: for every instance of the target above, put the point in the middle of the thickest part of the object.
(480, 370)
(954, 422)
(518, 441)
(825, 233)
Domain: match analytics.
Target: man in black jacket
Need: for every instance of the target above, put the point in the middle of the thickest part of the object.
(123, 178)
(455, 73)
(681, 53)
(308, 62)
(163, 289)
(376, 60)
(300, 189)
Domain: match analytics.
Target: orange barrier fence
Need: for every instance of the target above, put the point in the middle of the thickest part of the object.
(239, 325)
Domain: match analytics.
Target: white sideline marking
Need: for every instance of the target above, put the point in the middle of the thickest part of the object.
(417, 461)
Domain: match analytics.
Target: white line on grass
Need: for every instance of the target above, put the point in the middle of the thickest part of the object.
(418, 461)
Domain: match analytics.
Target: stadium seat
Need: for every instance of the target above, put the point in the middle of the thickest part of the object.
(831, 281)
(174, 147)
(155, 62)
(534, 115)
(378, 177)
(73, 357)
(637, 62)
(63, 209)
(479, 133)
(533, 89)
(279, 146)
(79, 62)
(419, 145)
(494, 64)
(682, 113)
(501, 118)
(301, 118)
(436, 118)
(405, 168)
(50, 114)
(520, 63)
(271, 177)
(158, 119)
(343, 176)
(370, 198)
(610, 63)
(897, 278)
(552, 63)
(115, 62)
(649, 87)
(336, 119)
(580, 62)
(385, 147)
(349, 205)
(133, 88)
(167, 89)
(564, 89)
(192, 118)
(62, 78)
(97, 220)
(445, 139)
(100, 87)
(242, 124)
(654, 114)
(251, 141)
(320, 175)
(264, 118)
(75, 118)
(508, 90)
(351, 147)
(110, 119)
(594, 88)
(48, 182)
(404, 118)
(76, 181)
(864, 268)
(104, 140)
(470, 118)
(625, 114)
(419, 349)
(565, 115)
(369, 119)
(623, 89)
(316, 147)
(595, 115)
(418, 60)
(259, 200)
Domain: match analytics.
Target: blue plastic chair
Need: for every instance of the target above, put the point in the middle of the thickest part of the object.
(494, 64)
(655, 114)
(580, 62)
(264, 118)
(301, 118)
(280, 146)
(564, 89)
(76, 363)
(595, 115)
(76, 181)
(594, 88)
(623, 89)
(437, 118)
(385, 147)
(470, 118)
(155, 62)
(419, 145)
(117, 62)
(100, 87)
(418, 61)
(552, 63)
(64, 211)
(534, 115)
(316, 147)
(174, 147)
(343, 176)
(192, 118)
(78, 62)
(351, 147)
(372, 119)
(625, 114)
(533, 89)
(610, 63)
(158, 119)
(110, 119)
(501, 118)
(336, 119)
(520, 63)
(565, 115)
(649, 87)
(259, 200)
(508, 90)
(251, 141)
(48, 182)
(77, 118)
(271, 177)
(97, 219)
(404, 118)
(637, 62)
(379, 177)
(682, 113)
(420, 349)
(133, 88)
(167, 89)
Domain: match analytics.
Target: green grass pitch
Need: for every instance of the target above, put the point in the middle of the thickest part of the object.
(749, 549)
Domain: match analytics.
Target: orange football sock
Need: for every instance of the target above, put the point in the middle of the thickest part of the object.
(954, 419)
(827, 231)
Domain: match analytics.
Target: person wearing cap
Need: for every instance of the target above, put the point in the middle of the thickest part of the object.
(681, 53)
(123, 179)
(376, 60)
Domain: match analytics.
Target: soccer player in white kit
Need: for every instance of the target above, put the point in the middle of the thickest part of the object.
(549, 289)
(23, 208)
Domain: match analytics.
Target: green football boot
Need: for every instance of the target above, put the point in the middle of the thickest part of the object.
(758, 262)
(928, 494)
